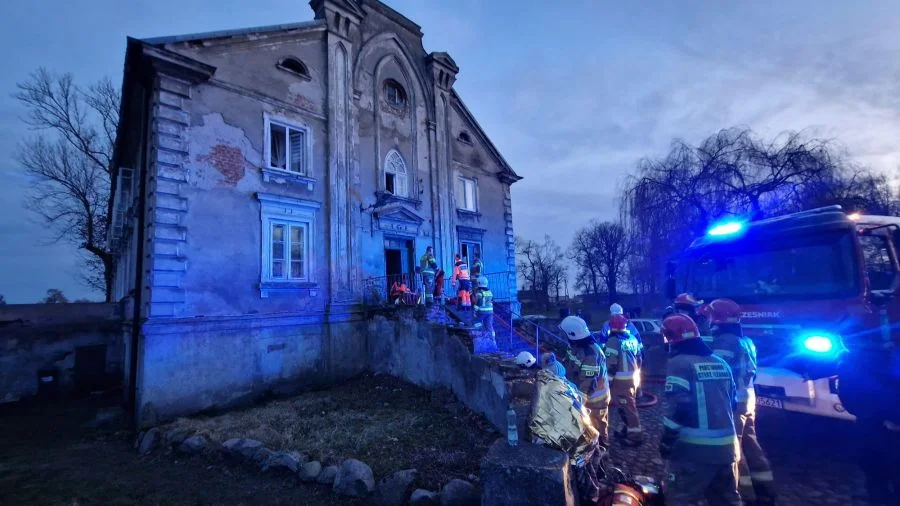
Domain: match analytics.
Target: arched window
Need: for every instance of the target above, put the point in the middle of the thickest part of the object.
(394, 94)
(294, 66)
(395, 177)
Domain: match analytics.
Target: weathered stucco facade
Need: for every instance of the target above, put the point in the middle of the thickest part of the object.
(266, 172)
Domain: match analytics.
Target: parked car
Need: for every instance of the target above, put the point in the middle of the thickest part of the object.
(651, 331)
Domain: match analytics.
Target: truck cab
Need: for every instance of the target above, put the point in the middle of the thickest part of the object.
(812, 286)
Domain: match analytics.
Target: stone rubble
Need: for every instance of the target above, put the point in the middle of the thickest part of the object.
(394, 489)
(310, 471)
(193, 445)
(149, 441)
(421, 497)
(354, 478)
(286, 461)
(459, 493)
(327, 476)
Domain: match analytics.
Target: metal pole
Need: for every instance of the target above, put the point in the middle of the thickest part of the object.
(537, 344)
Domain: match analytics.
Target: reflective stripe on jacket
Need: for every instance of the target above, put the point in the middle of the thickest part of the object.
(586, 368)
(740, 354)
(461, 271)
(428, 264)
(621, 356)
(698, 409)
(484, 301)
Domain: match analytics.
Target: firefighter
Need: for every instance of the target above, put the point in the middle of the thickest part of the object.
(477, 267)
(687, 304)
(428, 265)
(699, 440)
(586, 369)
(463, 283)
(622, 351)
(484, 306)
(729, 342)
(614, 310)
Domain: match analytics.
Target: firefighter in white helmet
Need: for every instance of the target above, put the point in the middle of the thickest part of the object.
(585, 367)
(614, 310)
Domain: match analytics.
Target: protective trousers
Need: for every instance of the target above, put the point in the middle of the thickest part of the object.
(755, 482)
(600, 420)
(428, 286)
(464, 294)
(486, 318)
(688, 481)
(624, 394)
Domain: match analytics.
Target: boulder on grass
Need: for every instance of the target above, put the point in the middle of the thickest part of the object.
(354, 479)
(285, 461)
(177, 436)
(394, 489)
(310, 471)
(422, 497)
(459, 493)
(249, 449)
(193, 445)
(327, 476)
(149, 441)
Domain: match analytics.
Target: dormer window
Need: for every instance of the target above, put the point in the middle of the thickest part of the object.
(394, 94)
(294, 66)
(465, 137)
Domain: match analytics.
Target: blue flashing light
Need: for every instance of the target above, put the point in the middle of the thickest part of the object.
(725, 229)
(818, 344)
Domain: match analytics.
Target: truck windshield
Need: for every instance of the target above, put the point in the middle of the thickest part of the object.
(815, 267)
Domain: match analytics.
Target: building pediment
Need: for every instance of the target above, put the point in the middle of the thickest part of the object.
(399, 219)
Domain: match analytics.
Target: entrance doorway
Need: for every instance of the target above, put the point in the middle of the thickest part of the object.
(399, 262)
(468, 250)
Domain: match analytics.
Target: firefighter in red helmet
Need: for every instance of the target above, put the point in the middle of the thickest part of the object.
(699, 440)
(689, 305)
(730, 343)
(622, 351)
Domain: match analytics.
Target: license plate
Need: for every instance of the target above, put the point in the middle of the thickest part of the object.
(769, 403)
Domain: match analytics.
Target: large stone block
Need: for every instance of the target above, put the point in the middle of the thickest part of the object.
(526, 474)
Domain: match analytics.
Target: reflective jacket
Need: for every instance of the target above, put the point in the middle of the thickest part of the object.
(629, 327)
(622, 351)
(586, 368)
(460, 271)
(739, 353)
(699, 405)
(478, 268)
(428, 263)
(484, 301)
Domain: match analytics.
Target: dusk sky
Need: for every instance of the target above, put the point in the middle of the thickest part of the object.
(573, 97)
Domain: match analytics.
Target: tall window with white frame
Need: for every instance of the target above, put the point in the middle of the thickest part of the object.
(466, 194)
(395, 174)
(288, 147)
(288, 228)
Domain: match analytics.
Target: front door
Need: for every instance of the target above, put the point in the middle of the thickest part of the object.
(398, 261)
(468, 250)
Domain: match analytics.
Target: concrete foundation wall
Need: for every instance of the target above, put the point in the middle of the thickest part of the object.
(57, 340)
(427, 356)
(188, 366)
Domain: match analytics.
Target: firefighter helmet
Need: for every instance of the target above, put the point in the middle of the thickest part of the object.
(687, 300)
(525, 359)
(679, 327)
(575, 328)
(722, 311)
(616, 309)
(482, 282)
(618, 323)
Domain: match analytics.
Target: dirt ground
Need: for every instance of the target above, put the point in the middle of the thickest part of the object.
(50, 456)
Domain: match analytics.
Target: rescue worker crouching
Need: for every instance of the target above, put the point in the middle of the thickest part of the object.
(484, 307)
(756, 483)
(586, 368)
(428, 265)
(622, 351)
(699, 440)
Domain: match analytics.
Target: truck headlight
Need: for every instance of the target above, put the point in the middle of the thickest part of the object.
(820, 344)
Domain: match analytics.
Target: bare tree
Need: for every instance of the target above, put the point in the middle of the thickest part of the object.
(55, 296)
(70, 164)
(541, 265)
(600, 251)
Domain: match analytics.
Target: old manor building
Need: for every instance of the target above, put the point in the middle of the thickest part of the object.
(264, 174)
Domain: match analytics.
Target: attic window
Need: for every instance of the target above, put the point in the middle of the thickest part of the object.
(465, 137)
(394, 93)
(294, 66)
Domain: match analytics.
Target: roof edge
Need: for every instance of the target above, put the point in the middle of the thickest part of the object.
(508, 173)
(238, 32)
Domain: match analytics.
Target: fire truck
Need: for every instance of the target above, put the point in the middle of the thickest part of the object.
(812, 286)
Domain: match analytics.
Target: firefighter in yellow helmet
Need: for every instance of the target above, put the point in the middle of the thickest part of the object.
(428, 266)
(699, 440)
(585, 367)
(756, 483)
